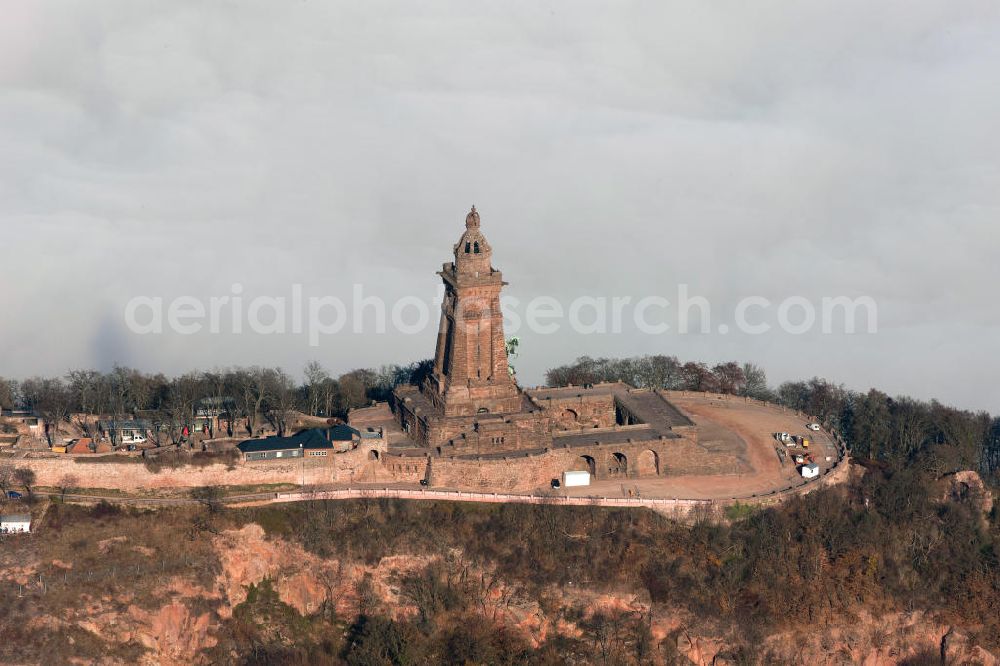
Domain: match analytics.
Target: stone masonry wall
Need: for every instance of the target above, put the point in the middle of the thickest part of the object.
(134, 475)
(518, 471)
(524, 472)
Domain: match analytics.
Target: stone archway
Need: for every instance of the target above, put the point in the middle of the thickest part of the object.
(568, 419)
(585, 464)
(648, 463)
(617, 465)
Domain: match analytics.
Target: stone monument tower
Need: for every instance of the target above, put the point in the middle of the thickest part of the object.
(471, 375)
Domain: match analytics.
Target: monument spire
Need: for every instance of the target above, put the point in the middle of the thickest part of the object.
(471, 373)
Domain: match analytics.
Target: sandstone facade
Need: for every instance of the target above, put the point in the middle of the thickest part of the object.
(470, 415)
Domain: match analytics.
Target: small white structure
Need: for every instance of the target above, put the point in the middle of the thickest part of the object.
(810, 471)
(15, 524)
(571, 479)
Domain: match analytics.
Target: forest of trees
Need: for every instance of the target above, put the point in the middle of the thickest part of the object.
(896, 432)
(665, 372)
(248, 394)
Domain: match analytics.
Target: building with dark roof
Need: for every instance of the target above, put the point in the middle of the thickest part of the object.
(312, 443)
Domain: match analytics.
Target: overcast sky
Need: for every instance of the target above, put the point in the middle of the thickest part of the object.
(812, 149)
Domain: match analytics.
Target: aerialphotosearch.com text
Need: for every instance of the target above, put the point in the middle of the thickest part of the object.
(317, 317)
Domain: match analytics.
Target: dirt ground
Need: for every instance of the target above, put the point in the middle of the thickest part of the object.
(731, 427)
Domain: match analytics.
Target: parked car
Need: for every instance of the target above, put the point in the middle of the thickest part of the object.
(423, 482)
(556, 483)
(13, 494)
(813, 426)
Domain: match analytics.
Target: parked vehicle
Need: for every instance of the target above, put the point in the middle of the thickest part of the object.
(13, 494)
(813, 426)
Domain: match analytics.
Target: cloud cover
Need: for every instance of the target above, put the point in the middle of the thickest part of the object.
(774, 149)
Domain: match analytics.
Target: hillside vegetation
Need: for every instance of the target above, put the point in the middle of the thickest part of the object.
(823, 577)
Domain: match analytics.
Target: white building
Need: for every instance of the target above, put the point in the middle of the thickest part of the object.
(810, 471)
(15, 523)
(575, 478)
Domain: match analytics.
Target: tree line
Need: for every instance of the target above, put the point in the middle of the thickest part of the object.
(244, 398)
(665, 372)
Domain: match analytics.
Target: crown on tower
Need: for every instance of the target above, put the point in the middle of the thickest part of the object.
(472, 219)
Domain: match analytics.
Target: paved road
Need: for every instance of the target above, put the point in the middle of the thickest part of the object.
(410, 493)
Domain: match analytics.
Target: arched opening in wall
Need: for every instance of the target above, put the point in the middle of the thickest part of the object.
(648, 463)
(585, 464)
(475, 247)
(483, 410)
(617, 464)
(623, 416)
(373, 455)
(568, 418)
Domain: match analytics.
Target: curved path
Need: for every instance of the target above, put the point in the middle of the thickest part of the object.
(663, 505)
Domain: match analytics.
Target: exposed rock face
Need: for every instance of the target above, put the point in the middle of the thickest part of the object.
(967, 486)
(186, 618)
(302, 580)
(173, 633)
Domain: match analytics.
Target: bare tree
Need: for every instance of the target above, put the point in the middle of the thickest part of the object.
(330, 392)
(282, 399)
(316, 377)
(252, 385)
(697, 377)
(85, 388)
(25, 477)
(182, 397)
(208, 496)
(216, 386)
(354, 389)
(51, 400)
(755, 382)
(6, 478)
(67, 482)
(6, 394)
(729, 377)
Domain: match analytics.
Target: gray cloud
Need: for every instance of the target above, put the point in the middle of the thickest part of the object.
(766, 148)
